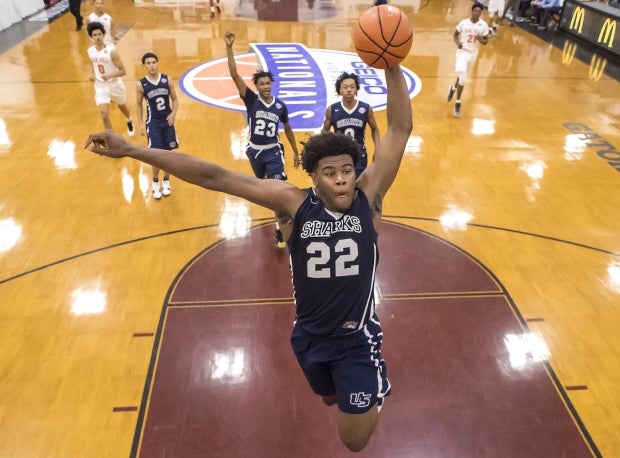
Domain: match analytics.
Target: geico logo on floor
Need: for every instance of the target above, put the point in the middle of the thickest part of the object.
(304, 80)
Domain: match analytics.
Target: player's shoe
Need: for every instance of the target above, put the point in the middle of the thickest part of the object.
(165, 188)
(280, 243)
(156, 190)
(451, 92)
(219, 10)
(457, 110)
(212, 14)
(130, 130)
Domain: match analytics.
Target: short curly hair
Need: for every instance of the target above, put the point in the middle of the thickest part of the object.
(344, 76)
(325, 145)
(262, 74)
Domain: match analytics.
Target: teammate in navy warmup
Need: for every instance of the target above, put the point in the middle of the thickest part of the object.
(264, 114)
(161, 110)
(331, 230)
(350, 117)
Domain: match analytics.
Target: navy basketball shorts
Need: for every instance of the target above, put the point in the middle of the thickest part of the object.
(362, 163)
(267, 163)
(349, 366)
(161, 135)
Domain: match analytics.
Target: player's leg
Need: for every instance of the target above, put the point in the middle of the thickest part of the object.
(274, 169)
(496, 10)
(310, 357)
(119, 96)
(103, 100)
(170, 142)
(74, 8)
(460, 66)
(355, 430)
(462, 62)
(362, 162)
(104, 110)
(155, 135)
(361, 385)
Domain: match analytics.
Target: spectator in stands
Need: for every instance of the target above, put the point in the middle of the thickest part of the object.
(554, 8)
(539, 11)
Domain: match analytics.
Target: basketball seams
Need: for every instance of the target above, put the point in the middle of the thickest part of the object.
(375, 33)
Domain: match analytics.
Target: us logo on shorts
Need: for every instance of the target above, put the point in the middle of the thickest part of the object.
(360, 399)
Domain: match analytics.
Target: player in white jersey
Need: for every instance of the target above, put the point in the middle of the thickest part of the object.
(106, 71)
(99, 15)
(496, 12)
(469, 32)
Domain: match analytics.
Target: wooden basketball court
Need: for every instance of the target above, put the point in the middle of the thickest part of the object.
(136, 327)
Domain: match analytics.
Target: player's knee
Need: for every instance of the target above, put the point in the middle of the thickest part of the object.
(329, 400)
(355, 443)
(355, 430)
(462, 78)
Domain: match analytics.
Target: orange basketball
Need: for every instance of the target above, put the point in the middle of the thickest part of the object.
(382, 36)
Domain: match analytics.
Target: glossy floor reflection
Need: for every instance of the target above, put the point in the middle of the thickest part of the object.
(226, 382)
(500, 257)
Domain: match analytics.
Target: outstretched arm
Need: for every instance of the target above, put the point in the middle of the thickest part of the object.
(277, 195)
(229, 38)
(380, 174)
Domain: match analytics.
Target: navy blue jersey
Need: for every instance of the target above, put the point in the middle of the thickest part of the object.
(157, 97)
(333, 261)
(351, 122)
(264, 119)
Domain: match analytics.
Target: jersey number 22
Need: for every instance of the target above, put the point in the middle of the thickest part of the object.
(345, 252)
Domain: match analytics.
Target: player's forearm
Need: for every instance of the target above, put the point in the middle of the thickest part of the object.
(232, 66)
(376, 137)
(291, 139)
(457, 40)
(187, 168)
(398, 103)
(139, 114)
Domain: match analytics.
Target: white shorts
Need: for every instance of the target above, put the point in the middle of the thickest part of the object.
(463, 59)
(110, 91)
(496, 7)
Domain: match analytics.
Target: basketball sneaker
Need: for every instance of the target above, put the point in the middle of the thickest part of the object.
(165, 187)
(219, 10)
(156, 190)
(451, 92)
(130, 130)
(457, 110)
(280, 243)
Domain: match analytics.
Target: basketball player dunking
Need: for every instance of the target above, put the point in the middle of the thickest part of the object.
(331, 230)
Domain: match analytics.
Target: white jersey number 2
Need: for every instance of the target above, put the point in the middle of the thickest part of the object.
(346, 253)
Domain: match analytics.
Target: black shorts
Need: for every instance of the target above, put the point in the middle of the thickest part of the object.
(161, 135)
(349, 366)
(268, 162)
